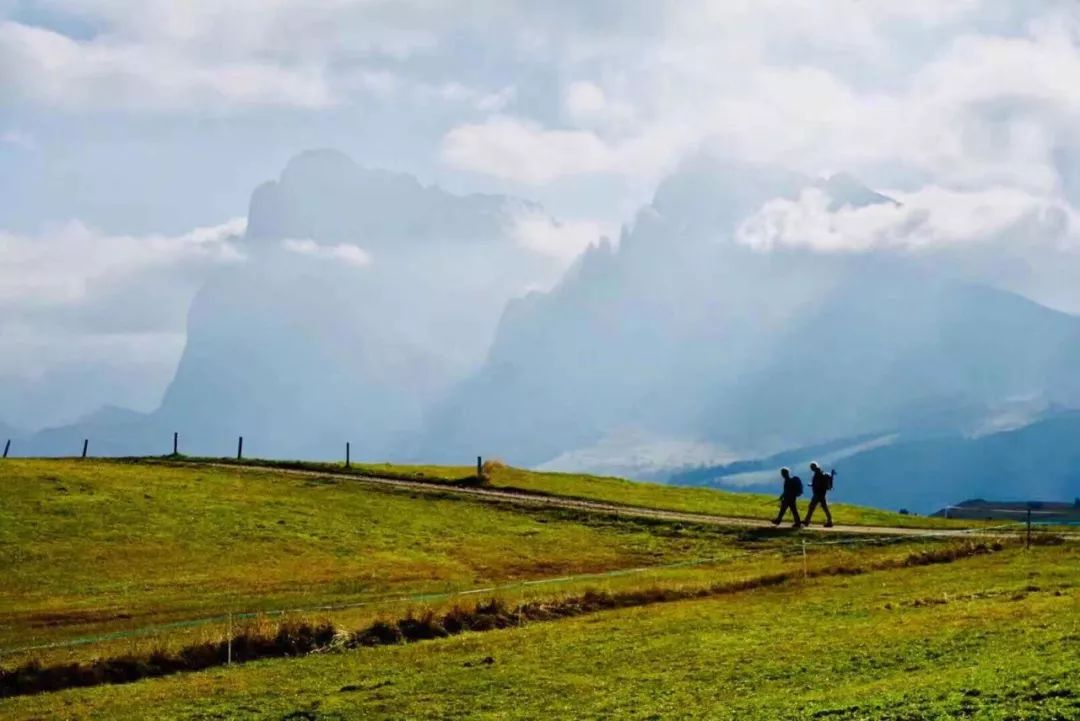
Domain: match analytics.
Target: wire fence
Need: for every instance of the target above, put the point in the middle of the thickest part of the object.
(794, 550)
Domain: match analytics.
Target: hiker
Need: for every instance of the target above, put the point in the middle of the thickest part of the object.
(792, 490)
(820, 484)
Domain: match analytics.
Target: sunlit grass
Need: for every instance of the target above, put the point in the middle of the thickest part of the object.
(990, 637)
(614, 490)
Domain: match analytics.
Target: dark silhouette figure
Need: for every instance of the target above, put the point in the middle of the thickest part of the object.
(820, 485)
(792, 490)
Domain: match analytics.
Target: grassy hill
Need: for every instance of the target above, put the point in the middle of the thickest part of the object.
(989, 638)
(612, 490)
(146, 560)
(95, 546)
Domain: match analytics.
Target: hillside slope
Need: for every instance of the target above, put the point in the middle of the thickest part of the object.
(983, 638)
(93, 546)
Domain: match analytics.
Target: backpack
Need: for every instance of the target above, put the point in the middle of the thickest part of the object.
(831, 476)
(796, 485)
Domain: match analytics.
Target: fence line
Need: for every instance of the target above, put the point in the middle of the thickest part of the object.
(426, 597)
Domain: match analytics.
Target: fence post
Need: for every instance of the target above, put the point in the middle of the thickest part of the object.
(240, 448)
(479, 468)
(7, 447)
(85, 443)
(1028, 544)
(175, 443)
(348, 457)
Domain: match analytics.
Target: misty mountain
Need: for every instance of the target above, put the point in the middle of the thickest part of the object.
(375, 310)
(681, 332)
(1037, 462)
(1040, 461)
(364, 295)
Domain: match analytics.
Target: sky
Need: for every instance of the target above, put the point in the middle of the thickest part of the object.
(133, 132)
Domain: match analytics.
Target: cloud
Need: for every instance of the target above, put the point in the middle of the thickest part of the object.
(564, 240)
(973, 93)
(341, 252)
(158, 55)
(88, 318)
(520, 150)
(928, 219)
(74, 266)
(50, 67)
(970, 92)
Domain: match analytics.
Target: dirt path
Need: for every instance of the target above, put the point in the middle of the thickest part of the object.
(523, 498)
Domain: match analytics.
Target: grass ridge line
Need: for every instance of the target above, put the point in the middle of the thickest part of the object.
(297, 638)
(478, 488)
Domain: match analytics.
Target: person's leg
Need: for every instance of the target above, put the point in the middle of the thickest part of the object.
(810, 510)
(785, 504)
(780, 513)
(795, 512)
(825, 507)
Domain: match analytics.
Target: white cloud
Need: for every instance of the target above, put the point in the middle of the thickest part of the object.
(66, 264)
(47, 66)
(205, 54)
(929, 219)
(564, 240)
(88, 318)
(520, 150)
(584, 100)
(341, 252)
(967, 93)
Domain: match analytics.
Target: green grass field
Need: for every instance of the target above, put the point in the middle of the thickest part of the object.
(993, 637)
(615, 490)
(99, 546)
(107, 558)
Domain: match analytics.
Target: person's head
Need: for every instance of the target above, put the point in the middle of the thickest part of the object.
(785, 472)
(815, 467)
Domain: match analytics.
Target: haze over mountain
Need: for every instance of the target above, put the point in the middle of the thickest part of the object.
(684, 332)
(1040, 461)
(362, 297)
(371, 309)
(413, 323)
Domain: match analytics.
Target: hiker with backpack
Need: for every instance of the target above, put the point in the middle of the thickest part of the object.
(820, 485)
(793, 488)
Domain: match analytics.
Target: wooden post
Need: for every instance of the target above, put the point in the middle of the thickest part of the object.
(85, 443)
(479, 468)
(7, 447)
(175, 443)
(348, 459)
(1028, 544)
(240, 448)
